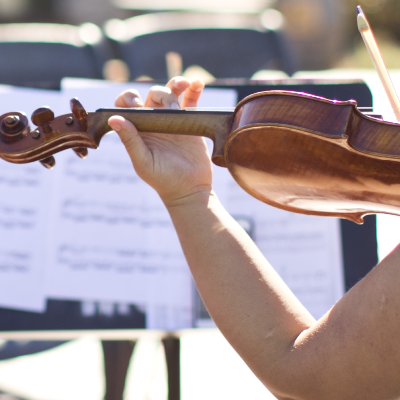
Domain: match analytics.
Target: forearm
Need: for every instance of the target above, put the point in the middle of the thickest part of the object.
(248, 301)
(352, 352)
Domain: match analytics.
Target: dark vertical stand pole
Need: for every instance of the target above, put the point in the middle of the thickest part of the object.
(172, 354)
(360, 250)
(117, 355)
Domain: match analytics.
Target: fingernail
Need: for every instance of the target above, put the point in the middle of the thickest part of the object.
(179, 79)
(117, 126)
(197, 86)
(136, 102)
(175, 106)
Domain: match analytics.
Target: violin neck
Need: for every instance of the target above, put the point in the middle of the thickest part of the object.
(194, 122)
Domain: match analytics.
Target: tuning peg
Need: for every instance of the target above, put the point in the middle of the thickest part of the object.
(12, 121)
(48, 162)
(42, 117)
(79, 111)
(81, 152)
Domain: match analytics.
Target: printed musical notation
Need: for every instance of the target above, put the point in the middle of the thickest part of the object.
(113, 240)
(23, 228)
(24, 205)
(12, 217)
(109, 172)
(111, 213)
(118, 260)
(18, 262)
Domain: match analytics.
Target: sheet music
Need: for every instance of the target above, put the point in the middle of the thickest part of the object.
(112, 238)
(24, 205)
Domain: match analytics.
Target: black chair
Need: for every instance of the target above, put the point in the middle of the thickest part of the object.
(225, 45)
(40, 55)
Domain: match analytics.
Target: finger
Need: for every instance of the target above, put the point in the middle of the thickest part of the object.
(192, 94)
(178, 85)
(130, 137)
(162, 96)
(129, 98)
(167, 96)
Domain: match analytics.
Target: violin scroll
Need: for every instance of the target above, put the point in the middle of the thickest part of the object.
(14, 126)
(20, 144)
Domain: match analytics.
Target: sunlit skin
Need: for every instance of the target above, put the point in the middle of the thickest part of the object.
(353, 352)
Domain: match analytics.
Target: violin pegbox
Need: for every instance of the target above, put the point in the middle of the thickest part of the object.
(19, 144)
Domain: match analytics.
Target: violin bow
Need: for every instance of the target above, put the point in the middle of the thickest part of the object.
(377, 60)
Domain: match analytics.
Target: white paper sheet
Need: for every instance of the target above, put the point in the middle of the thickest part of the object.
(112, 239)
(24, 204)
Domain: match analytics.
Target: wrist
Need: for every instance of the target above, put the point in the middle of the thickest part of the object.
(201, 196)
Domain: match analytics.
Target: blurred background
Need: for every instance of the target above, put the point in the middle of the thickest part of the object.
(323, 32)
(318, 34)
(102, 39)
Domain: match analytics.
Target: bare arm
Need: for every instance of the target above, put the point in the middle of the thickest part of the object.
(246, 298)
(353, 352)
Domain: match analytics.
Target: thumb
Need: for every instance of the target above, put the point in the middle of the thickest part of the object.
(133, 142)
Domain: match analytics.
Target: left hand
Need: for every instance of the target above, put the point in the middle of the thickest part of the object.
(176, 166)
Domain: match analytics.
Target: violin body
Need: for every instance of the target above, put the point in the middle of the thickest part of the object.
(327, 159)
(295, 151)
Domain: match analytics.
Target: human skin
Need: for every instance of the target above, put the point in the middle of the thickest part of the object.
(352, 352)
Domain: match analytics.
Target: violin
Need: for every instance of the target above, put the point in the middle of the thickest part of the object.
(294, 151)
